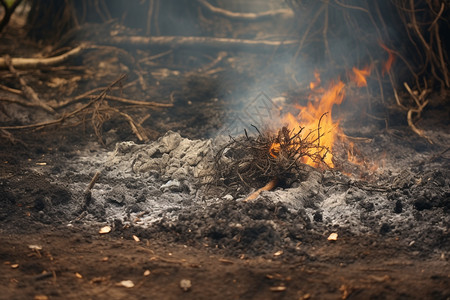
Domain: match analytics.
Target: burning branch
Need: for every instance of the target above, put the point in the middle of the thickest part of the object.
(268, 160)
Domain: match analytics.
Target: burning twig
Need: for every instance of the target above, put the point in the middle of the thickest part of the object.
(269, 159)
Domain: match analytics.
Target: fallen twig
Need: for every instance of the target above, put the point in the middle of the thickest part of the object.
(268, 187)
(278, 13)
(26, 89)
(135, 126)
(136, 102)
(34, 63)
(198, 41)
(69, 115)
(10, 90)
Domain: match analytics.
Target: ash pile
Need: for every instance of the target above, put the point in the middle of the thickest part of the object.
(171, 188)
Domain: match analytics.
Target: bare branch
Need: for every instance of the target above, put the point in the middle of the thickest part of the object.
(278, 13)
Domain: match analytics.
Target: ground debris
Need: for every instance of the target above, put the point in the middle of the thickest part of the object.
(185, 284)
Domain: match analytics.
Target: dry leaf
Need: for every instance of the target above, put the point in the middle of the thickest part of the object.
(104, 230)
(278, 253)
(185, 284)
(136, 238)
(333, 236)
(78, 275)
(127, 283)
(226, 261)
(280, 288)
(40, 297)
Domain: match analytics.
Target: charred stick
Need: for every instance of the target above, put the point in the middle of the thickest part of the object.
(87, 192)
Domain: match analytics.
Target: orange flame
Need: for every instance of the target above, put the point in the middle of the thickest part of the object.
(311, 114)
(274, 149)
(388, 64)
(314, 84)
(360, 76)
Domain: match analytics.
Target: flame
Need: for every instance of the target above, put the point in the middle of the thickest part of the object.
(274, 149)
(311, 115)
(360, 76)
(388, 64)
(314, 84)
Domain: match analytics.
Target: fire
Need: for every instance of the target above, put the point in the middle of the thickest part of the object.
(274, 149)
(388, 64)
(316, 120)
(314, 84)
(360, 76)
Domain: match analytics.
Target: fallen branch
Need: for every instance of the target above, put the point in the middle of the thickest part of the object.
(10, 90)
(29, 93)
(197, 41)
(278, 13)
(136, 102)
(69, 115)
(20, 102)
(34, 63)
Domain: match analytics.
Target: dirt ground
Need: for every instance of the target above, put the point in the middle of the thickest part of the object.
(45, 257)
(393, 239)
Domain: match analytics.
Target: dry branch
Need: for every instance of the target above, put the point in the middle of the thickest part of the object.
(29, 93)
(69, 115)
(278, 13)
(199, 42)
(34, 63)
